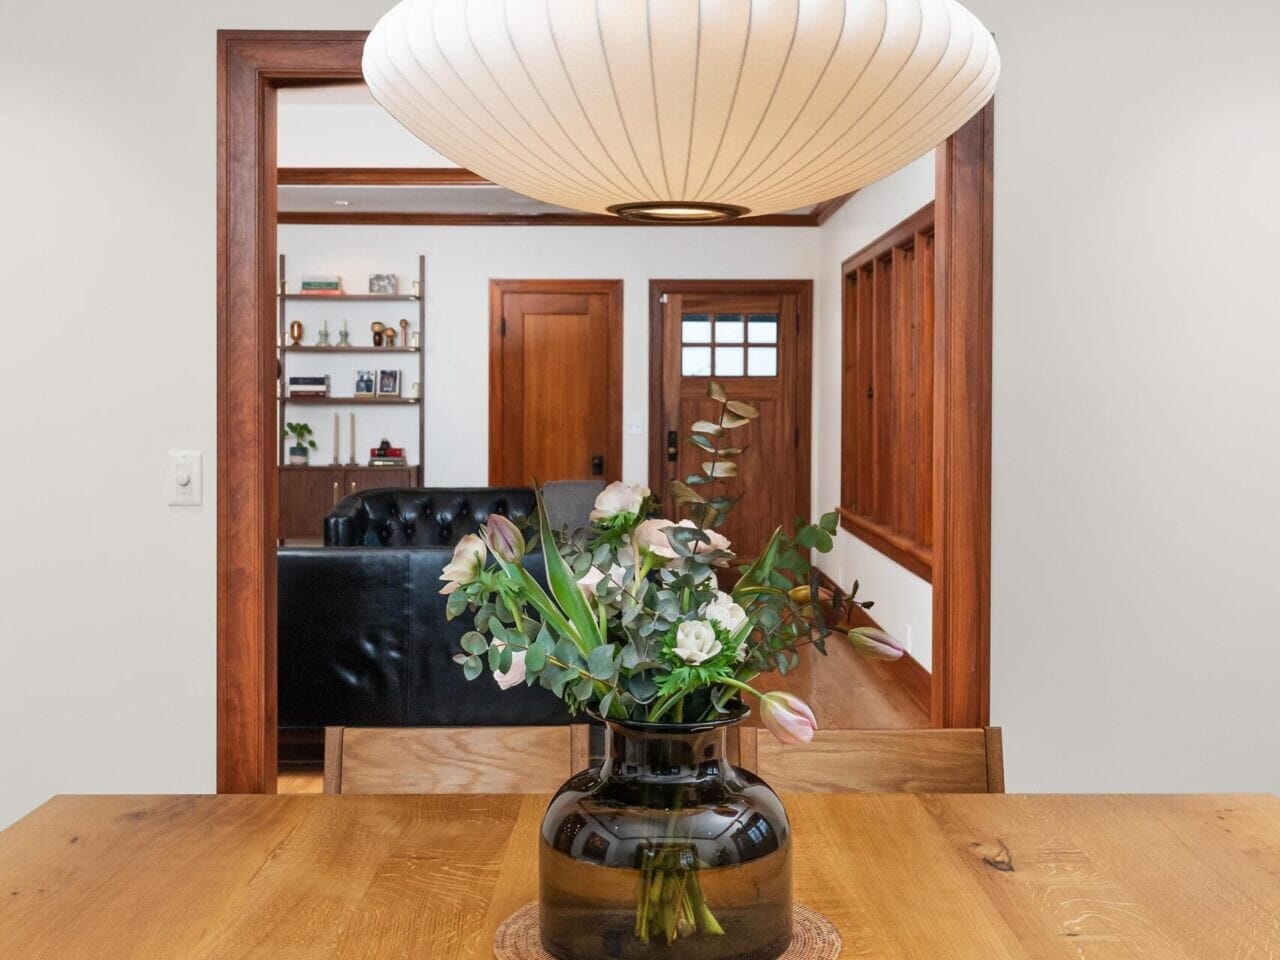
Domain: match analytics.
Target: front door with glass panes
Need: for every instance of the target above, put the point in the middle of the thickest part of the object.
(753, 338)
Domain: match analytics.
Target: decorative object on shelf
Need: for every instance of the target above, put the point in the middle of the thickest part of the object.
(417, 289)
(295, 332)
(385, 455)
(323, 339)
(404, 332)
(415, 390)
(309, 386)
(834, 94)
(695, 860)
(322, 286)
(365, 385)
(337, 440)
(417, 340)
(389, 337)
(388, 383)
(344, 336)
(386, 283)
(303, 443)
(351, 460)
(378, 327)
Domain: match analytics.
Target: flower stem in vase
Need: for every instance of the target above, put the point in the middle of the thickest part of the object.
(669, 898)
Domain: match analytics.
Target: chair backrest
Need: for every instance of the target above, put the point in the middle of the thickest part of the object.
(569, 502)
(452, 759)
(878, 761)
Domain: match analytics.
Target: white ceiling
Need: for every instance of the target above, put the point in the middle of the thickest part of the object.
(409, 199)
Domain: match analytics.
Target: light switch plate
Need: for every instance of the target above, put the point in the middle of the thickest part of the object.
(184, 480)
(635, 428)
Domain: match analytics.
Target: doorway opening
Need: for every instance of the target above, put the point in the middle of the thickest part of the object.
(252, 66)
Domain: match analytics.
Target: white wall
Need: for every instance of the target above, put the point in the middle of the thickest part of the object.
(1136, 451)
(460, 263)
(903, 601)
(1136, 460)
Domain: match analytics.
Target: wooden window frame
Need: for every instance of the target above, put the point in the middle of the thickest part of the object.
(876, 445)
(251, 65)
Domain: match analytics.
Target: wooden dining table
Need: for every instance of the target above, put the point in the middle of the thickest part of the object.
(925, 877)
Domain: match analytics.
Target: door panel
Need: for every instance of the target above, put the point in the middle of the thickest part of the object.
(755, 343)
(555, 388)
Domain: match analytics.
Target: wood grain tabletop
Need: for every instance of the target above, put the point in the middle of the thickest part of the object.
(363, 877)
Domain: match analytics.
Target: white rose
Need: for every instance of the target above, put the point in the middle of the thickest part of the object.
(468, 560)
(696, 641)
(722, 611)
(619, 497)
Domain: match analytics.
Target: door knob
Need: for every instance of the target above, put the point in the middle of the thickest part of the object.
(673, 446)
(597, 465)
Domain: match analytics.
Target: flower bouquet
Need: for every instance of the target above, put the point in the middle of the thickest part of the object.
(639, 625)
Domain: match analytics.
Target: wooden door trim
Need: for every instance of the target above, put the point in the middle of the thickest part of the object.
(612, 289)
(803, 292)
(962, 426)
(251, 65)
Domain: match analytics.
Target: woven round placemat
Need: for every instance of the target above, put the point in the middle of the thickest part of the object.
(813, 936)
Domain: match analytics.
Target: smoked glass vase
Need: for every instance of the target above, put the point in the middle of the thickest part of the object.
(665, 851)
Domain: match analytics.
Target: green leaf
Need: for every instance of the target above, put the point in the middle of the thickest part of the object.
(698, 440)
(472, 668)
(535, 658)
(716, 392)
(474, 643)
(584, 688)
(600, 663)
(732, 421)
(683, 493)
(830, 522)
(719, 469)
(731, 451)
(706, 426)
(564, 586)
(742, 409)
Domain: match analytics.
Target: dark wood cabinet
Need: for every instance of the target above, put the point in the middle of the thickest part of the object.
(308, 494)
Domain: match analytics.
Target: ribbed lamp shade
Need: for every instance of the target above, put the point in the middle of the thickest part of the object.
(681, 109)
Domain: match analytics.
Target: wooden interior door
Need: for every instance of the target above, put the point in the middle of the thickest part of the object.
(555, 387)
(754, 338)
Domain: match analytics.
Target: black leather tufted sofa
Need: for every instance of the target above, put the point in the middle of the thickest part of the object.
(363, 638)
(397, 517)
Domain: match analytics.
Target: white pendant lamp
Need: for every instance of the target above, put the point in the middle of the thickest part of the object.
(681, 110)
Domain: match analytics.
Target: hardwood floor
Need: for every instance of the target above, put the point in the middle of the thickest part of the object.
(845, 690)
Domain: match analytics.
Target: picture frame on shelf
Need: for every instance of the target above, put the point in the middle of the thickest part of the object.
(384, 283)
(366, 384)
(388, 383)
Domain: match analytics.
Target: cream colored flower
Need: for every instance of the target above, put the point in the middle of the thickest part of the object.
(619, 497)
(651, 535)
(468, 560)
(696, 641)
(591, 579)
(724, 612)
(507, 679)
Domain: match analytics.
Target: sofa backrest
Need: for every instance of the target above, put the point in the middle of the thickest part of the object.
(421, 516)
(364, 641)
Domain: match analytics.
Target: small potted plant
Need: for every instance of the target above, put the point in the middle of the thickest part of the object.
(303, 444)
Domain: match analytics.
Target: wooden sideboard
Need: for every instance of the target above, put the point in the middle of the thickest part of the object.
(307, 494)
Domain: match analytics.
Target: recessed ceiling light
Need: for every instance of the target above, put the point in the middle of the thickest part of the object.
(342, 203)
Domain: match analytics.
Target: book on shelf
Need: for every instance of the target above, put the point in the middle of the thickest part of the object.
(388, 462)
(322, 285)
(308, 393)
(310, 381)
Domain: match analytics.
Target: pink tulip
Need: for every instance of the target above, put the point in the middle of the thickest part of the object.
(788, 717)
(504, 538)
(875, 644)
(509, 678)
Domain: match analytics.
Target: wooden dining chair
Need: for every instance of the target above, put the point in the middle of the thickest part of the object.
(452, 759)
(878, 761)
